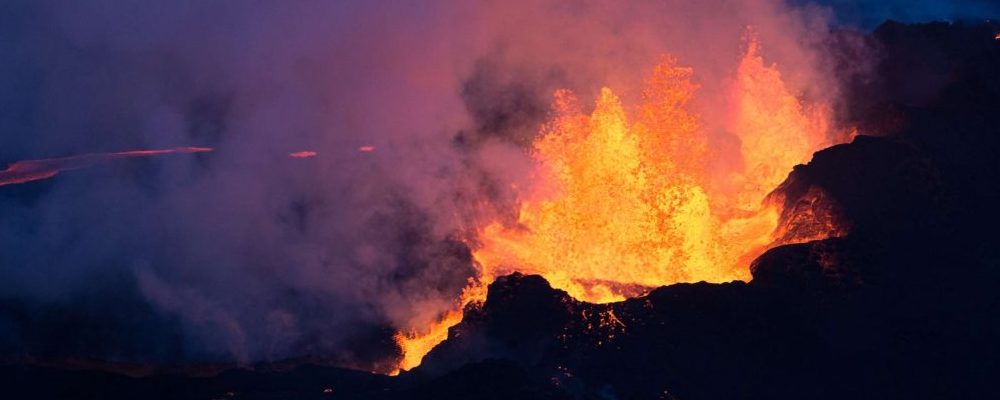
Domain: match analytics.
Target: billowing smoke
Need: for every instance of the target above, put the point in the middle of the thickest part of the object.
(247, 254)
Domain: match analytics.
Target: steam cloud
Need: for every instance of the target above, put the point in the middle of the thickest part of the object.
(247, 254)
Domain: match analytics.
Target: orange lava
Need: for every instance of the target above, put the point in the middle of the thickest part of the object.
(623, 200)
(303, 154)
(33, 170)
(415, 345)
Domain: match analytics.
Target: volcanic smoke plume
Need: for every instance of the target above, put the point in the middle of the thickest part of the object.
(609, 147)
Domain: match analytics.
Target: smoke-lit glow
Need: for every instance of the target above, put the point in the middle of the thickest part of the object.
(33, 170)
(623, 200)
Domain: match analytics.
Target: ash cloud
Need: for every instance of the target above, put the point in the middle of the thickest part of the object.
(248, 255)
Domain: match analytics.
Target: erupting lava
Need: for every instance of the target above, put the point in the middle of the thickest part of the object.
(624, 201)
(33, 170)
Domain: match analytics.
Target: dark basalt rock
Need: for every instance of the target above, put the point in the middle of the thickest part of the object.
(487, 380)
(821, 266)
(302, 382)
(520, 316)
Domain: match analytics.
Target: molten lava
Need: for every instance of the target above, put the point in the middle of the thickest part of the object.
(625, 200)
(302, 154)
(33, 170)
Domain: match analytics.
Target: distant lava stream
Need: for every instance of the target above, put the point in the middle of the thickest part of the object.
(33, 170)
(303, 154)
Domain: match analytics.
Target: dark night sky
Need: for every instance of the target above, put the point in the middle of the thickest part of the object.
(868, 14)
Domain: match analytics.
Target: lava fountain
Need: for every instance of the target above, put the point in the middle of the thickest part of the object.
(623, 200)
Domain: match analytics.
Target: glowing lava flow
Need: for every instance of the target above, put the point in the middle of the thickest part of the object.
(622, 202)
(415, 346)
(33, 170)
(303, 154)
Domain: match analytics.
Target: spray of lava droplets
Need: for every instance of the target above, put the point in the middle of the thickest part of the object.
(33, 170)
(624, 201)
